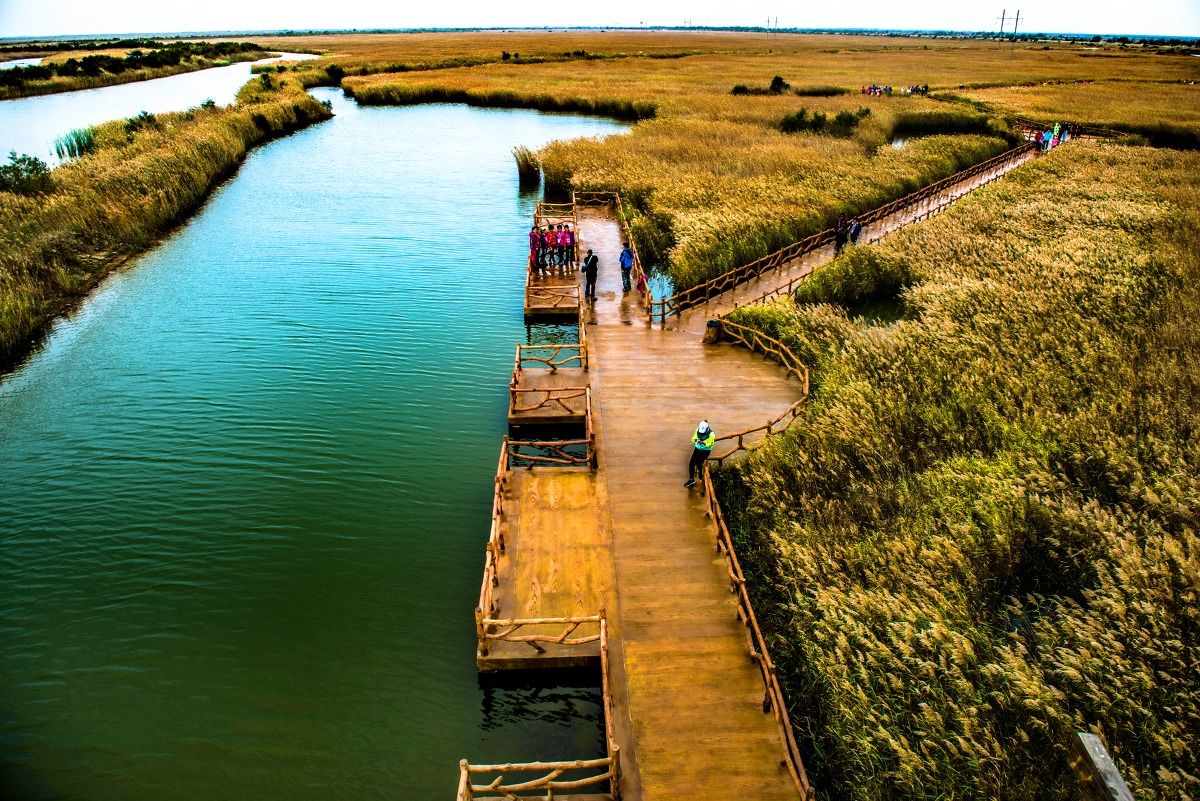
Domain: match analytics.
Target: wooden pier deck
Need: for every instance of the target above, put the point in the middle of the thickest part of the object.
(692, 696)
(556, 564)
(547, 397)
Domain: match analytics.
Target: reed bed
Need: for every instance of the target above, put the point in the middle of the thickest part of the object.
(711, 181)
(982, 535)
(1167, 114)
(141, 177)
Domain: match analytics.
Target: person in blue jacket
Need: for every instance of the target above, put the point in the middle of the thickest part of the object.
(626, 267)
(702, 445)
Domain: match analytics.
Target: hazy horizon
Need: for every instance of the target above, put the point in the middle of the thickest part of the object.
(20, 19)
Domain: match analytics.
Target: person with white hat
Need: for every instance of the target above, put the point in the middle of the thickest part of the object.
(702, 445)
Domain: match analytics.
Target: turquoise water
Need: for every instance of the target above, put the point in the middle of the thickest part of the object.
(244, 491)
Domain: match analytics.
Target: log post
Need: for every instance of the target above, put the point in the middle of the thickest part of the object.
(1096, 770)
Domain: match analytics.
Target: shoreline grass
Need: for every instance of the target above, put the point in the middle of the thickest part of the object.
(982, 535)
(75, 83)
(142, 178)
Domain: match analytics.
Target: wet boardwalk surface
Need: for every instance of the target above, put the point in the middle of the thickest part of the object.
(688, 693)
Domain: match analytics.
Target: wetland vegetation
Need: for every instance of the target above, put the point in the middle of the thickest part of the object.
(982, 536)
(92, 65)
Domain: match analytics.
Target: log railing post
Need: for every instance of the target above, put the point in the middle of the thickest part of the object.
(1096, 770)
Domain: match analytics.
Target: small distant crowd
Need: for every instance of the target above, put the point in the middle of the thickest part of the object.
(551, 248)
(1053, 137)
(878, 91)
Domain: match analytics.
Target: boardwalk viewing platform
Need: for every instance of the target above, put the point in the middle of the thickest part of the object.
(598, 555)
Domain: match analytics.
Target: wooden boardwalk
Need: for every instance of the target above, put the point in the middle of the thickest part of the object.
(691, 697)
(627, 541)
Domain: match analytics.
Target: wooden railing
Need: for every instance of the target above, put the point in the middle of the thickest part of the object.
(488, 606)
(945, 201)
(700, 294)
(606, 770)
(574, 355)
(774, 349)
(638, 274)
(551, 398)
(773, 700)
(556, 296)
(557, 453)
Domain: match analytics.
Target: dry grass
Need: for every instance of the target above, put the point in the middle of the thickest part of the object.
(984, 536)
(712, 181)
(1135, 106)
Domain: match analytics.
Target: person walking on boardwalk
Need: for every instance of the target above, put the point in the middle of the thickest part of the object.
(702, 445)
(855, 230)
(626, 267)
(591, 266)
(841, 233)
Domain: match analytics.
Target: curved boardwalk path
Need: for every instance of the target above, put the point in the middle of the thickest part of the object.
(687, 695)
(692, 700)
(786, 277)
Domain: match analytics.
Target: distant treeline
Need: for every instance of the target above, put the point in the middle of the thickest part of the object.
(162, 55)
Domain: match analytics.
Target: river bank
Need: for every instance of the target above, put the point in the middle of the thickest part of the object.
(143, 178)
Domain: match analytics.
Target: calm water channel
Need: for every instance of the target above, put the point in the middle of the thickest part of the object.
(31, 124)
(244, 491)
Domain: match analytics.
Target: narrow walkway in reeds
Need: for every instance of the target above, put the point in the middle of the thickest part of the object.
(685, 683)
(783, 279)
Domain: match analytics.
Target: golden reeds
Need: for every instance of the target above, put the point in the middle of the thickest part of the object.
(984, 535)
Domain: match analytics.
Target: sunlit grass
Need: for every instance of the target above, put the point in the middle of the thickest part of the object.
(983, 536)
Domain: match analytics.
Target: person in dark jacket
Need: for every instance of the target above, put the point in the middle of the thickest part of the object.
(591, 267)
(841, 233)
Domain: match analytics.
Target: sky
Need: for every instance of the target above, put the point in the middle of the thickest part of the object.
(63, 17)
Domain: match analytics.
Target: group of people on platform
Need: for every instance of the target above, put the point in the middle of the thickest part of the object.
(551, 247)
(846, 230)
(1053, 137)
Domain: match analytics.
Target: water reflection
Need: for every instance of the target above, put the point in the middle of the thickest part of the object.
(31, 124)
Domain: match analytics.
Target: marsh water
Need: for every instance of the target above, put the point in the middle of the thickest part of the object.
(29, 125)
(244, 490)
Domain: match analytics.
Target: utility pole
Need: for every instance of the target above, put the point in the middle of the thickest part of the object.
(1000, 41)
(1016, 22)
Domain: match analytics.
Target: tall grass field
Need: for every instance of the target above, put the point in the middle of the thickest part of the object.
(982, 535)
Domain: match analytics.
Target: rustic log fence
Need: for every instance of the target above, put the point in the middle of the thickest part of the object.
(540, 297)
(773, 700)
(572, 355)
(598, 772)
(559, 452)
(944, 201)
(701, 294)
(488, 606)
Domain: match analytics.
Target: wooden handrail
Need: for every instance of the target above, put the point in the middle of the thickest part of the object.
(555, 452)
(708, 290)
(550, 783)
(944, 202)
(773, 700)
(556, 294)
(553, 398)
